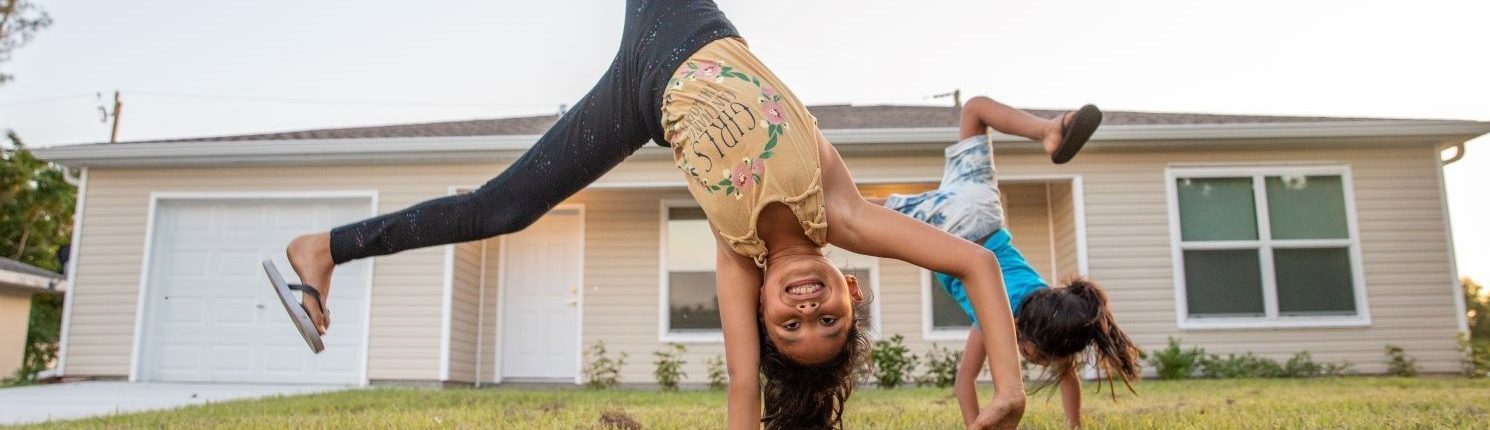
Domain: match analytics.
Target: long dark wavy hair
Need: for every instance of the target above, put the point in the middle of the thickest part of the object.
(1060, 323)
(799, 397)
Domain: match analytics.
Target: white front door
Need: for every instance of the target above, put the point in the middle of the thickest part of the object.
(541, 287)
(210, 315)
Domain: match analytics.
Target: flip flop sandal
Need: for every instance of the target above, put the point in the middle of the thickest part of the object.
(1076, 133)
(298, 313)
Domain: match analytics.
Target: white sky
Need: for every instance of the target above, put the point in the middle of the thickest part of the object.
(402, 62)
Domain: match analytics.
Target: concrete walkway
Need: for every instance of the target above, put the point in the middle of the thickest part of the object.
(40, 403)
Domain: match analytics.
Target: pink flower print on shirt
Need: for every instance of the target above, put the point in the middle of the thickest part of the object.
(768, 94)
(746, 175)
(773, 112)
(708, 69)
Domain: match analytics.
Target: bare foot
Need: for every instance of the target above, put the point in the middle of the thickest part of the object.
(1055, 129)
(310, 256)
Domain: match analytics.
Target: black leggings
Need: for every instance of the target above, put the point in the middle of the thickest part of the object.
(613, 120)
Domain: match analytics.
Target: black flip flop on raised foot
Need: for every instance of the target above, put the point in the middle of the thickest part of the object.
(298, 313)
(1076, 133)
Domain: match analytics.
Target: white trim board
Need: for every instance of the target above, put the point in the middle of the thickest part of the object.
(145, 260)
(1456, 290)
(1257, 174)
(447, 298)
(480, 313)
(468, 148)
(74, 247)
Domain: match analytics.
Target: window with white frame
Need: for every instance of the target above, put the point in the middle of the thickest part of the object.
(945, 316)
(1265, 245)
(691, 304)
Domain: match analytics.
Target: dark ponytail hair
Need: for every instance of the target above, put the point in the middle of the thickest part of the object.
(1062, 322)
(811, 397)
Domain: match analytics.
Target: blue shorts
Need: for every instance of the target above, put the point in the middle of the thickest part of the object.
(1020, 280)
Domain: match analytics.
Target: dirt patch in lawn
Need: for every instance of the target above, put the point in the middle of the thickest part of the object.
(619, 420)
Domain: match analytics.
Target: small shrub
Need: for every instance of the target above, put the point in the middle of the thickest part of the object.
(1475, 359)
(1399, 364)
(669, 366)
(941, 367)
(600, 370)
(1302, 365)
(1246, 365)
(1249, 365)
(1173, 362)
(892, 362)
(1342, 368)
(718, 377)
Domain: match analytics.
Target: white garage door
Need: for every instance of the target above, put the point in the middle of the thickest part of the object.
(210, 315)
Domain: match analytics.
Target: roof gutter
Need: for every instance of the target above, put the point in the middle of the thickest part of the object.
(468, 148)
(30, 283)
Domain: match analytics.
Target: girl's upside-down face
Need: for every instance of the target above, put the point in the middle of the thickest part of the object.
(807, 304)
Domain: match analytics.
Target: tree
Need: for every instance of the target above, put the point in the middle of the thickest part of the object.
(36, 204)
(20, 20)
(36, 209)
(1477, 308)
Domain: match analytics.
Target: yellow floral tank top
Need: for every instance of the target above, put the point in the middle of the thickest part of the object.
(743, 141)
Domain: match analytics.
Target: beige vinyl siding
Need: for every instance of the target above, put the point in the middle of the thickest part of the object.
(15, 312)
(622, 283)
(1028, 220)
(901, 304)
(1402, 240)
(486, 357)
(465, 310)
(407, 290)
(1063, 231)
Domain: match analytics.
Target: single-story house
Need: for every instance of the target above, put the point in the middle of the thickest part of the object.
(18, 282)
(1263, 234)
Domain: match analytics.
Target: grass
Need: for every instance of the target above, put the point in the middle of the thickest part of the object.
(1209, 404)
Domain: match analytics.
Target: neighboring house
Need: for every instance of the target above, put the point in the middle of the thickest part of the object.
(18, 281)
(1237, 233)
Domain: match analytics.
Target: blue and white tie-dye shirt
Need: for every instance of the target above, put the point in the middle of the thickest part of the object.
(966, 204)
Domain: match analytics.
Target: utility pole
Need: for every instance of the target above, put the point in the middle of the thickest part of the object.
(106, 115)
(956, 96)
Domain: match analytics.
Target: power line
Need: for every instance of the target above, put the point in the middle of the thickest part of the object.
(47, 99)
(325, 101)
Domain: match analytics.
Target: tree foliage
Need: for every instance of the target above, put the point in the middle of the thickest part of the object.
(1477, 308)
(20, 20)
(36, 205)
(36, 209)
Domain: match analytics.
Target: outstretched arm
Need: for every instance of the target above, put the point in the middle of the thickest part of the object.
(1071, 398)
(737, 284)
(862, 227)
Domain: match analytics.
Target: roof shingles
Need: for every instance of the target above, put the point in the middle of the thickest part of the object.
(829, 117)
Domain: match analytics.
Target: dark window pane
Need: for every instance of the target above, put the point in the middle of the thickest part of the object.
(1223, 283)
(946, 314)
(1306, 207)
(692, 303)
(1216, 209)
(1314, 281)
(685, 212)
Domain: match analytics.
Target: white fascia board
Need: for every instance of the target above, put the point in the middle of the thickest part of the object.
(29, 282)
(494, 148)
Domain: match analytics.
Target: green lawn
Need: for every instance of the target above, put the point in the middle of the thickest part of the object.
(1209, 404)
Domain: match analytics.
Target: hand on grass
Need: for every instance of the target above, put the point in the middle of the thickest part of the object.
(1003, 413)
